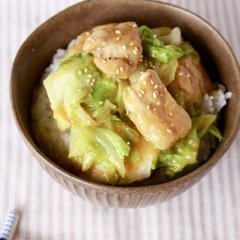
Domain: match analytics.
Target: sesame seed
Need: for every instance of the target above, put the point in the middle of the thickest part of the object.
(126, 56)
(134, 25)
(171, 114)
(150, 63)
(188, 75)
(158, 103)
(187, 65)
(98, 48)
(131, 44)
(181, 73)
(155, 94)
(153, 55)
(98, 55)
(117, 32)
(154, 109)
(91, 82)
(155, 36)
(152, 82)
(168, 130)
(101, 102)
(121, 69)
(134, 51)
(85, 70)
(124, 47)
(117, 38)
(80, 72)
(117, 71)
(87, 33)
(140, 95)
(148, 107)
(104, 61)
(142, 91)
(156, 86)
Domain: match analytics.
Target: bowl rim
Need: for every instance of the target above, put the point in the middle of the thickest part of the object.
(198, 172)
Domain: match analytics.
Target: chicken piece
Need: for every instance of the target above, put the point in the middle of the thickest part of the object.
(191, 82)
(116, 48)
(78, 45)
(139, 165)
(154, 111)
(80, 40)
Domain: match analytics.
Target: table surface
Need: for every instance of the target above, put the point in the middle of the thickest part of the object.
(209, 210)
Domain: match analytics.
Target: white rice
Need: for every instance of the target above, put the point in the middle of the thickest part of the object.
(55, 143)
(214, 101)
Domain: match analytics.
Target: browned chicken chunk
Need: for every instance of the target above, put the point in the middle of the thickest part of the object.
(191, 82)
(117, 47)
(154, 111)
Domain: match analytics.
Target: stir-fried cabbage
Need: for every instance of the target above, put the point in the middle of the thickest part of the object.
(185, 152)
(158, 50)
(117, 124)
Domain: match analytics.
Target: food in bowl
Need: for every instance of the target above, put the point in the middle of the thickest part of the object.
(124, 101)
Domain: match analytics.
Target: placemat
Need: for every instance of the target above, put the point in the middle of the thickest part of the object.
(209, 210)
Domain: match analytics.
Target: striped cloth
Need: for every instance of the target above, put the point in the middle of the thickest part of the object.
(209, 210)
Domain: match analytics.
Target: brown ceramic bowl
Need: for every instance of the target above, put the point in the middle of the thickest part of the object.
(35, 54)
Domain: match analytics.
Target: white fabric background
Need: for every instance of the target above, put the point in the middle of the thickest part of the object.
(209, 210)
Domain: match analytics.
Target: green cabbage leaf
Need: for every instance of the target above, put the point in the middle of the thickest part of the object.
(91, 146)
(159, 51)
(185, 152)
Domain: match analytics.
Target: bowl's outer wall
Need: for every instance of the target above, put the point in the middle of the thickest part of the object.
(35, 54)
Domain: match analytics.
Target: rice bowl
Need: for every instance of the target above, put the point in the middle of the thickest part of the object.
(26, 77)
